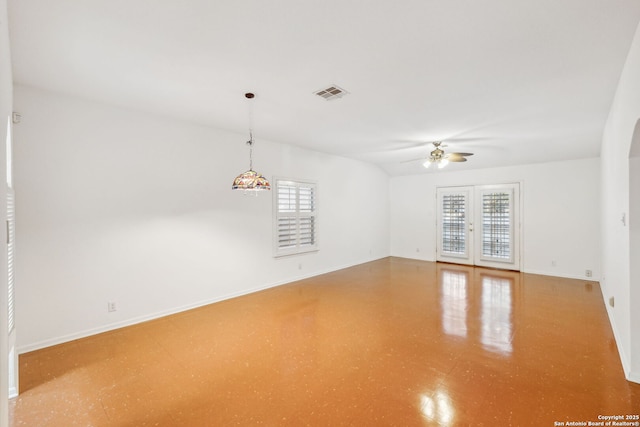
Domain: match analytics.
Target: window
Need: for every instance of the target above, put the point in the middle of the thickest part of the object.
(296, 217)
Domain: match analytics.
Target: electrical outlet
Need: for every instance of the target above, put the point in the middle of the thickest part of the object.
(553, 263)
(111, 306)
(299, 266)
(588, 273)
(612, 302)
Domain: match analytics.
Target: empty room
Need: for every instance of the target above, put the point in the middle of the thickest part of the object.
(337, 213)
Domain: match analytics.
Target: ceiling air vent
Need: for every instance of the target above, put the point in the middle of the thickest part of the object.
(332, 92)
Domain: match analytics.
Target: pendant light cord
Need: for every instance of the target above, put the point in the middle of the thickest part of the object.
(250, 96)
(250, 142)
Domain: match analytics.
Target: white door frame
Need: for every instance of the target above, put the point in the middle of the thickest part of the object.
(460, 219)
(465, 217)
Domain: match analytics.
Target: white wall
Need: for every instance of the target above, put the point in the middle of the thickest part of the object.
(616, 143)
(560, 217)
(117, 205)
(634, 256)
(6, 94)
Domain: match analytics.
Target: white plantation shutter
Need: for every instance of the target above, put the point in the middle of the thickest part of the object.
(295, 217)
(307, 231)
(306, 215)
(286, 198)
(286, 219)
(286, 233)
(11, 213)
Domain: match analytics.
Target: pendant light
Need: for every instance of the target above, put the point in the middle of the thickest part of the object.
(250, 180)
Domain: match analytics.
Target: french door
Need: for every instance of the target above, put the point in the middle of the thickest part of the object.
(479, 225)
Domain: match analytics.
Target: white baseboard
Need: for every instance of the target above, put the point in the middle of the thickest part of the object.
(634, 377)
(564, 276)
(626, 365)
(539, 272)
(135, 320)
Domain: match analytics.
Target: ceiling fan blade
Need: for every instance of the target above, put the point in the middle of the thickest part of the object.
(457, 159)
(456, 156)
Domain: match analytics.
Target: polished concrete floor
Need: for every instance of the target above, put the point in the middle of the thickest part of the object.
(393, 342)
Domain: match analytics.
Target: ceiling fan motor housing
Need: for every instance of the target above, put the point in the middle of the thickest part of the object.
(437, 154)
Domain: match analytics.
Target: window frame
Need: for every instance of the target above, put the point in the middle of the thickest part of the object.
(298, 215)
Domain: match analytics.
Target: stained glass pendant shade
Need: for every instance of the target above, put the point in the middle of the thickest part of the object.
(250, 180)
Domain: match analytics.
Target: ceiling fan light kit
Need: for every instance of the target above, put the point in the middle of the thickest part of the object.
(441, 163)
(441, 159)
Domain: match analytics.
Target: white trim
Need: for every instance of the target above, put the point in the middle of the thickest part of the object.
(513, 263)
(14, 366)
(527, 271)
(130, 322)
(468, 193)
(634, 377)
(626, 365)
(473, 247)
(564, 276)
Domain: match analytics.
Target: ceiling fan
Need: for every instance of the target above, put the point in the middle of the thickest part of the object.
(441, 159)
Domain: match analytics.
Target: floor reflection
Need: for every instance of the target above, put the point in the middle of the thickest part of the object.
(437, 408)
(496, 319)
(489, 303)
(392, 342)
(454, 302)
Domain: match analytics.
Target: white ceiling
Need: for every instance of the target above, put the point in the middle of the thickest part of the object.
(513, 81)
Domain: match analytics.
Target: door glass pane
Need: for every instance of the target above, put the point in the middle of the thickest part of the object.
(496, 225)
(453, 223)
